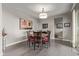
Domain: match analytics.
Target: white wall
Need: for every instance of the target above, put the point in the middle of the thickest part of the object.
(67, 32)
(50, 22)
(11, 25)
(0, 29)
(14, 34)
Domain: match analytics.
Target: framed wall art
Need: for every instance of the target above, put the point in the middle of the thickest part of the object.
(25, 24)
(59, 25)
(44, 26)
(66, 24)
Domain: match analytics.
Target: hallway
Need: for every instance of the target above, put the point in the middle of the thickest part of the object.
(55, 49)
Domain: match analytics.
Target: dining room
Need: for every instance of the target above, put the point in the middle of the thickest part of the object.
(31, 29)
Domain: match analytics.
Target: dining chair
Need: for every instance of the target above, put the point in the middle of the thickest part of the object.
(38, 41)
(31, 38)
(46, 38)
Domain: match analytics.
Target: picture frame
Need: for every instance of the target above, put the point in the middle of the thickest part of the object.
(25, 24)
(66, 24)
(59, 25)
(44, 26)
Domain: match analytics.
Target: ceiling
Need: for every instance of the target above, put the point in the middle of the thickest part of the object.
(33, 9)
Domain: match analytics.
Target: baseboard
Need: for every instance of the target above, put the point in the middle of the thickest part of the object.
(63, 39)
(14, 43)
(65, 42)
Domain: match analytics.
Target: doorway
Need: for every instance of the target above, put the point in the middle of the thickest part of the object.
(58, 28)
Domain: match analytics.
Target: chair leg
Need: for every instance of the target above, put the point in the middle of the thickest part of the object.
(34, 46)
(48, 43)
(29, 43)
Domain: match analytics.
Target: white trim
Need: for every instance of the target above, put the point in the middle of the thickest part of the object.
(74, 28)
(64, 40)
(14, 43)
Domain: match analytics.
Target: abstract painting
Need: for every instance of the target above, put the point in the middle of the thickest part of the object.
(25, 24)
